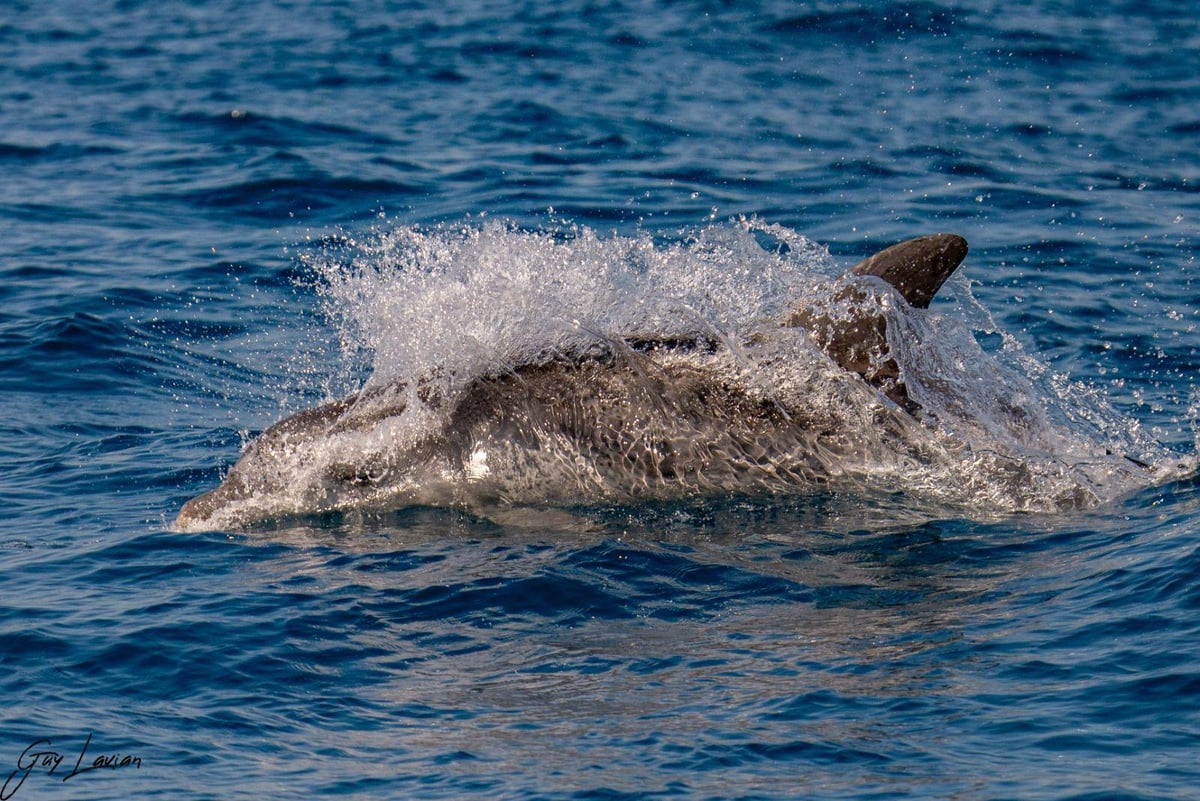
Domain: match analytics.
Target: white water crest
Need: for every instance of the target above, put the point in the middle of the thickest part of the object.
(567, 417)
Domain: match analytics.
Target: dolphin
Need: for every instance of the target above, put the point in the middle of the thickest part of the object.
(634, 417)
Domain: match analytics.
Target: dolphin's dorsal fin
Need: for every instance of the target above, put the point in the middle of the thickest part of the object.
(917, 268)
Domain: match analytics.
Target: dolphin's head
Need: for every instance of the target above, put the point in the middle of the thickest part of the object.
(320, 459)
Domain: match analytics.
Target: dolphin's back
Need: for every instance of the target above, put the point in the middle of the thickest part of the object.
(631, 424)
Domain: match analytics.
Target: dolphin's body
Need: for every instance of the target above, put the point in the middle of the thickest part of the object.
(635, 417)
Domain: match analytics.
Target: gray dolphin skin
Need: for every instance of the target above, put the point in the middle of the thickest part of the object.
(638, 417)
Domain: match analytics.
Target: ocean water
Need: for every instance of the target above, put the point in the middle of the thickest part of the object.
(203, 216)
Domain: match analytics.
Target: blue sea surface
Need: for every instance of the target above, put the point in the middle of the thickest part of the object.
(168, 173)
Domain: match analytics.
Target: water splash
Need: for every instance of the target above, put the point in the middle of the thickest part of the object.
(434, 311)
(474, 298)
